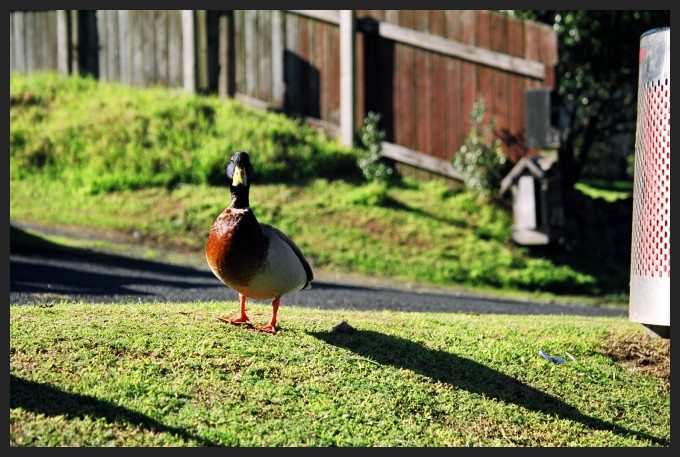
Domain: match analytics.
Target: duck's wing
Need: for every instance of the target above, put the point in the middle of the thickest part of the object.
(276, 232)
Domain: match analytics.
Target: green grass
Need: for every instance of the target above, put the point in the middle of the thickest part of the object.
(157, 374)
(608, 190)
(113, 158)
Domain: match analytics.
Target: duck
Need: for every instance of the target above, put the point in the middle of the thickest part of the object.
(255, 259)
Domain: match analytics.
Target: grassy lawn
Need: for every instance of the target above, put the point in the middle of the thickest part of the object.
(155, 374)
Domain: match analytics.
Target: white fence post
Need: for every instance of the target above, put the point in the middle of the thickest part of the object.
(347, 73)
(189, 51)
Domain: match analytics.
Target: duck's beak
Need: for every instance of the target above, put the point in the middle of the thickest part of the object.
(240, 178)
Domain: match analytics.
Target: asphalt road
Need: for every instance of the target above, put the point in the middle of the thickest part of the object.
(45, 274)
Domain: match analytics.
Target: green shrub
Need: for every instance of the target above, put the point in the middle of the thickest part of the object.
(480, 160)
(371, 162)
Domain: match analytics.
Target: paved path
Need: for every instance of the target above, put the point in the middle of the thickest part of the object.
(39, 275)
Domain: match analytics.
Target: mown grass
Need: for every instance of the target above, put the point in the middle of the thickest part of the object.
(160, 374)
(110, 157)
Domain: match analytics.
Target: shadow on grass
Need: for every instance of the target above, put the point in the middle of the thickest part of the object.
(466, 374)
(48, 400)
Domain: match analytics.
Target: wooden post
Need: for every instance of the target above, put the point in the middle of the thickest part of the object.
(223, 53)
(74, 43)
(189, 51)
(62, 43)
(347, 76)
(278, 45)
(201, 25)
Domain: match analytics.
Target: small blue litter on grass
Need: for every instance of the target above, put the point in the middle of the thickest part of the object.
(550, 358)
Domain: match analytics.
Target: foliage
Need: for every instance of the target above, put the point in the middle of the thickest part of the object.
(103, 137)
(597, 79)
(371, 162)
(480, 159)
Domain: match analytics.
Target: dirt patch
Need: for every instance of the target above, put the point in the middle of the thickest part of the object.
(642, 353)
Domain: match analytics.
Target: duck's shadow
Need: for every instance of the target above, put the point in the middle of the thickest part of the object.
(466, 374)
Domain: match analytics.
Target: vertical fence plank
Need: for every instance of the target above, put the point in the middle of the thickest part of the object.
(264, 57)
(223, 55)
(498, 104)
(62, 43)
(136, 47)
(437, 127)
(106, 48)
(105, 45)
(453, 89)
(161, 38)
(321, 53)
(334, 77)
(469, 70)
(531, 51)
(277, 47)
(291, 64)
(188, 51)
(148, 48)
(12, 44)
(516, 90)
(51, 44)
(40, 40)
(201, 50)
(405, 126)
(484, 89)
(29, 38)
(250, 51)
(548, 54)
(175, 46)
(421, 76)
(359, 78)
(123, 40)
(19, 41)
(75, 42)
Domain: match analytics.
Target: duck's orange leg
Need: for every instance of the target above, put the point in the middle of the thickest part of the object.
(271, 327)
(242, 319)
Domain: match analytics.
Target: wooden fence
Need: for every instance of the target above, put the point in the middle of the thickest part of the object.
(421, 69)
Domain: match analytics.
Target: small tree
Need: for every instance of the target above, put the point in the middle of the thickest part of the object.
(372, 163)
(481, 159)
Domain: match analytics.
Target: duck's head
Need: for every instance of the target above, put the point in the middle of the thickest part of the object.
(240, 170)
(240, 173)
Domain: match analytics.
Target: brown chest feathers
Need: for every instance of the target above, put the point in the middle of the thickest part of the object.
(229, 260)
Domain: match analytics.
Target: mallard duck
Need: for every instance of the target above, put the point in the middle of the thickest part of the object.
(256, 260)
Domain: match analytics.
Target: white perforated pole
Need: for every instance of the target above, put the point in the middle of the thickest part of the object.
(650, 269)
